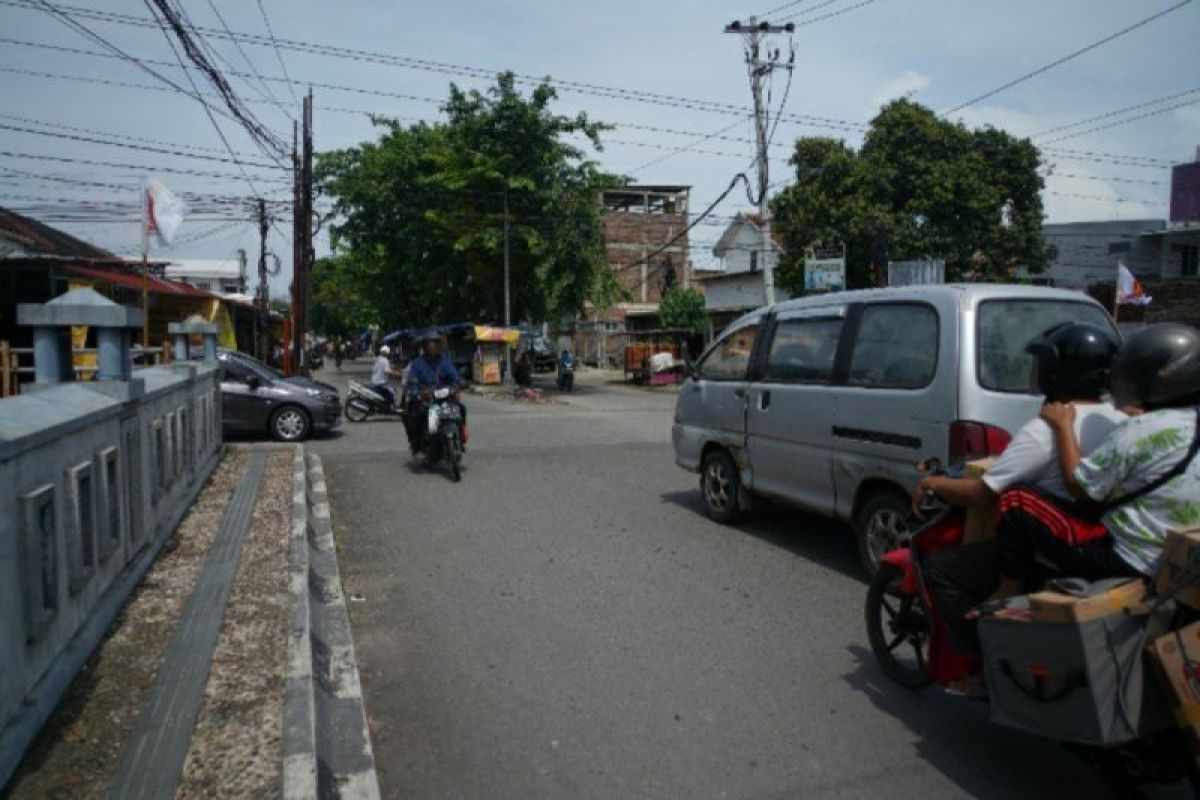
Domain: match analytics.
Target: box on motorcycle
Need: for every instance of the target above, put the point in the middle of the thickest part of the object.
(1177, 659)
(1179, 574)
(1076, 680)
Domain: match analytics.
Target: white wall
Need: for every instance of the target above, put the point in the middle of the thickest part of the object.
(746, 240)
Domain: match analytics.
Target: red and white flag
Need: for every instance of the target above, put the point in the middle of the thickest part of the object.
(164, 212)
(1129, 290)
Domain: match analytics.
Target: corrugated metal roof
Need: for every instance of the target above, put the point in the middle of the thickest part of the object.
(45, 240)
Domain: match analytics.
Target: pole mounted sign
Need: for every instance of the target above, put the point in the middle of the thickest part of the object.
(824, 274)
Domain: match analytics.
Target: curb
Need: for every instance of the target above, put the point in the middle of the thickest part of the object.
(327, 744)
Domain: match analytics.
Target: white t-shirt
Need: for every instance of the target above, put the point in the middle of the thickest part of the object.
(379, 373)
(1031, 458)
(1139, 452)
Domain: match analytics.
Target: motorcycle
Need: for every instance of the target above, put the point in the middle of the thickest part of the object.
(566, 377)
(909, 639)
(363, 402)
(442, 438)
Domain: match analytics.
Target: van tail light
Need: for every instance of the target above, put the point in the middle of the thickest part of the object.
(972, 440)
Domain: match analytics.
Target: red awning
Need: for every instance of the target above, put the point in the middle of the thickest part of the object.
(129, 280)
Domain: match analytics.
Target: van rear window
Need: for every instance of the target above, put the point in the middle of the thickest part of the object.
(1003, 329)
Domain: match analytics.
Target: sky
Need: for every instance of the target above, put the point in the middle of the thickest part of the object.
(941, 53)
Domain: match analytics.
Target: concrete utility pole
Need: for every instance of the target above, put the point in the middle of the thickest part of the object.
(761, 65)
(302, 250)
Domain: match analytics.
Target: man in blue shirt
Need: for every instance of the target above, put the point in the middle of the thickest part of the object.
(432, 369)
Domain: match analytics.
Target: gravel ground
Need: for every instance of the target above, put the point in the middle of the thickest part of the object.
(236, 749)
(78, 751)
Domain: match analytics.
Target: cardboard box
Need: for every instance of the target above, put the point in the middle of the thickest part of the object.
(1180, 570)
(981, 522)
(1176, 658)
(1050, 606)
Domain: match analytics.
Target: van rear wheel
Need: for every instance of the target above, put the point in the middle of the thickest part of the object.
(719, 485)
(881, 525)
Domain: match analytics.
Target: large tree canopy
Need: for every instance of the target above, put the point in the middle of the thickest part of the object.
(919, 187)
(418, 221)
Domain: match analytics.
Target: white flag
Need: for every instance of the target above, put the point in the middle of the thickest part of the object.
(164, 212)
(1129, 290)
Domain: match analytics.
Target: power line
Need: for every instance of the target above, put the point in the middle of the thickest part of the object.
(832, 14)
(246, 57)
(1125, 121)
(1066, 58)
(275, 45)
(140, 168)
(686, 148)
(1116, 112)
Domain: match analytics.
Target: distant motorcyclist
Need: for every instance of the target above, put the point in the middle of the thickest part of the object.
(566, 370)
(382, 372)
(431, 370)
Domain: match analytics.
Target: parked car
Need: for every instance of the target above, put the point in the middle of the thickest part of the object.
(256, 398)
(827, 402)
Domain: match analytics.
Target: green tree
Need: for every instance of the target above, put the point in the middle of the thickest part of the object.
(918, 187)
(682, 308)
(418, 220)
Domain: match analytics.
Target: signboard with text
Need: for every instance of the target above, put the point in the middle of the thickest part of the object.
(824, 274)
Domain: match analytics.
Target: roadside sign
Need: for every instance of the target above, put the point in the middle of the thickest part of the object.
(824, 274)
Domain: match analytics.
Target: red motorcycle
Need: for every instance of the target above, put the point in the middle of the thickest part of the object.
(909, 639)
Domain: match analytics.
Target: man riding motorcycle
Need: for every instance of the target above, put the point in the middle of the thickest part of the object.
(381, 373)
(431, 370)
(1072, 362)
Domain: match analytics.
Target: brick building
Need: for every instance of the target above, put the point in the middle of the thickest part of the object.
(641, 223)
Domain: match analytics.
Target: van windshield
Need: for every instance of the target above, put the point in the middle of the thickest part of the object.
(1003, 329)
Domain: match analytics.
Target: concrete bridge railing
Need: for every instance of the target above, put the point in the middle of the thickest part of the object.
(95, 478)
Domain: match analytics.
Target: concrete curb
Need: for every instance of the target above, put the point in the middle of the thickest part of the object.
(327, 745)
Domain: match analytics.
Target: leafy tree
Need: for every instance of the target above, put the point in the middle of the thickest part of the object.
(682, 308)
(338, 308)
(919, 187)
(419, 214)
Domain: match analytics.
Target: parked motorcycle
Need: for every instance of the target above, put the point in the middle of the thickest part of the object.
(908, 636)
(363, 402)
(443, 435)
(566, 377)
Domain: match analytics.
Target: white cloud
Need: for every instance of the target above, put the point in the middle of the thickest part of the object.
(907, 85)
(1075, 193)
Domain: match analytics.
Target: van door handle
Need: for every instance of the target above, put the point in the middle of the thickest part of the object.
(739, 393)
(765, 403)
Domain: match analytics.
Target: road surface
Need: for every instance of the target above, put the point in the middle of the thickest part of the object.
(567, 623)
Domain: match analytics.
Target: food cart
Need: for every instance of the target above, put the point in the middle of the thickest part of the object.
(490, 343)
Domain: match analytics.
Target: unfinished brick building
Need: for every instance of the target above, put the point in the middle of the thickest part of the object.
(639, 221)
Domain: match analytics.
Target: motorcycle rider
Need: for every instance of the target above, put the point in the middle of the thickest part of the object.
(431, 370)
(565, 362)
(1072, 361)
(381, 374)
(1142, 481)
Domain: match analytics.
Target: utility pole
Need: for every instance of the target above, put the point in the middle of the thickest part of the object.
(507, 301)
(761, 65)
(302, 239)
(262, 322)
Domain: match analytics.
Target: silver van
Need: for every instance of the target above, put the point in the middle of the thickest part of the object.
(827, 402)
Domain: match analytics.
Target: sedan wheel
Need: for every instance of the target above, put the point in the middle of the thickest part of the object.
(289, 424)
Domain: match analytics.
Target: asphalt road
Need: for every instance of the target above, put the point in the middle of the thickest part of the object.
(567, 623)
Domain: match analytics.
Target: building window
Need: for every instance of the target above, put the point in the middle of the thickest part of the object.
(753, 260)
(1052, 252)
(1189, 260)
(1119, 247)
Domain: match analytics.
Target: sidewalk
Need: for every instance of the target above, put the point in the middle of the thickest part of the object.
(187, 695)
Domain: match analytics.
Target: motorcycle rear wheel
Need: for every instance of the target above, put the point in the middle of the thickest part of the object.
(897, 622)
(453, 451)
(356, 410)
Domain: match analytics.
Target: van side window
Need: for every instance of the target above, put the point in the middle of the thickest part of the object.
(804, 350)
(730, 358)
(896, 347)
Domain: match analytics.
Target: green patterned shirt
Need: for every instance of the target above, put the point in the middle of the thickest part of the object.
(1139, 451)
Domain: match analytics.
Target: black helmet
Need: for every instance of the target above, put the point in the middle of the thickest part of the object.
(1073, 359)
(1158, 367)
